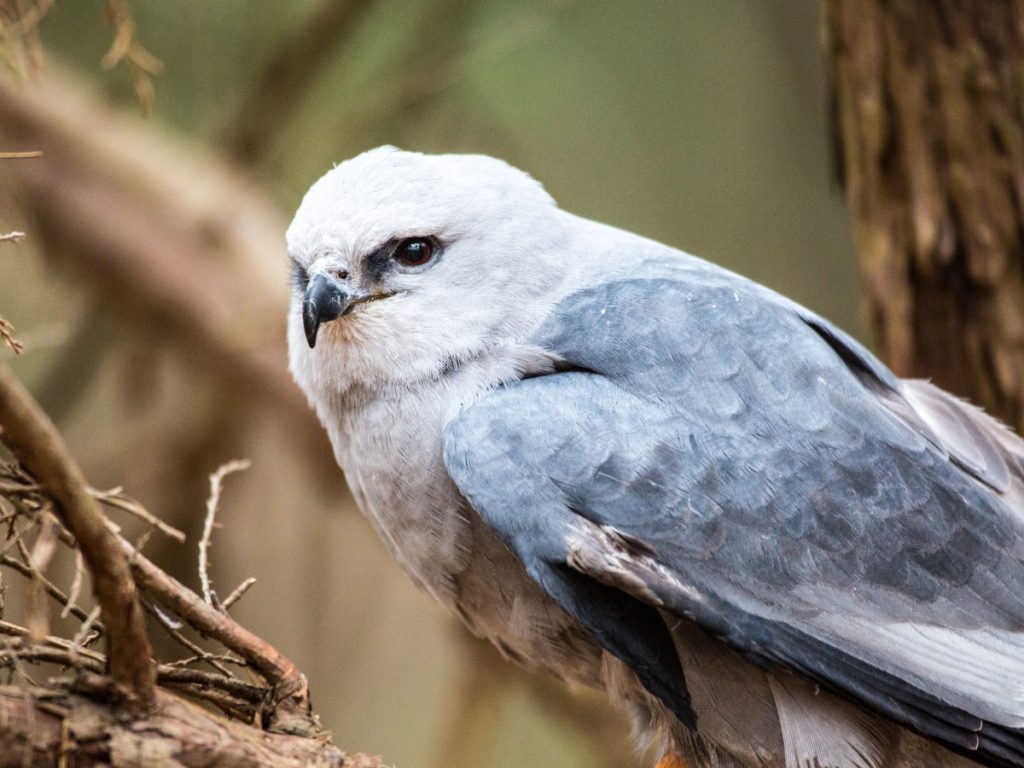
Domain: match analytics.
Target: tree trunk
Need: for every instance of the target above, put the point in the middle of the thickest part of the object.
(927, 108)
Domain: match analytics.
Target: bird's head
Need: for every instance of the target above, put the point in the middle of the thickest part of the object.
(404, 264)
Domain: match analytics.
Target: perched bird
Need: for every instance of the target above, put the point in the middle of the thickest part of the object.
(636, 470)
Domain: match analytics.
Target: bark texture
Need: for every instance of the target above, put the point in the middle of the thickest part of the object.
(927, 108)
(48, 728)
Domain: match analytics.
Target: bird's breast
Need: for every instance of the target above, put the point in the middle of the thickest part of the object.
(390, 451)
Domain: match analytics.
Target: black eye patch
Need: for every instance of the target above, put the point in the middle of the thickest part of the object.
(300, 278)
(378, 261)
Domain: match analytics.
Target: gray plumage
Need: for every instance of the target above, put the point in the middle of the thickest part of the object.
(633, 469)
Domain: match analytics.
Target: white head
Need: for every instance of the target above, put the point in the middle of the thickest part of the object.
(405, 264)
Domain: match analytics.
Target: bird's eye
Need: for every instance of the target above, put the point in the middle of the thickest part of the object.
(414, 252)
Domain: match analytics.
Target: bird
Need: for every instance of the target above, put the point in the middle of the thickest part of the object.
(633, 469)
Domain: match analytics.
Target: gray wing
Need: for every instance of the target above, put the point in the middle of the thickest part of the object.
(715, 451)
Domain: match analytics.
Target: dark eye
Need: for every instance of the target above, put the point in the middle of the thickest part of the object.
(414, 252)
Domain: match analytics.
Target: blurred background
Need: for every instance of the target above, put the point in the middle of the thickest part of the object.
(151, 287)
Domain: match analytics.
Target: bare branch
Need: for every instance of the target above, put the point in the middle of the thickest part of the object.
(239, 591)
(82, 635)
(290, 709)
(7, 330)
(116, 499)
(216, 486)
(54, 643)
(52, 589)
(133, 226)
(34, 440)
(76, 586)
(172, 629)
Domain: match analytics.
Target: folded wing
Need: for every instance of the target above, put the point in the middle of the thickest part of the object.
(712, 450)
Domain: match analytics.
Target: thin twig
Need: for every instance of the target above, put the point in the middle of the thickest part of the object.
(37, 445)
(50, 655)
(239, 591)
(178, 637)
(237, 688)
(76, 586)
(14, 536)
(216, 488)
(6, 329)
(81, 638)
(142, 65)
(57, 643)
(39, 559)
(231, 706)
(54, 591)
(289, 708)
(19, 488)
(116, 499)
(238, 696)
(20, 155)
(224, 658)
(12, 237)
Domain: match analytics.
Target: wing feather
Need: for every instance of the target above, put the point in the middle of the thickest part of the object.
(712, 450)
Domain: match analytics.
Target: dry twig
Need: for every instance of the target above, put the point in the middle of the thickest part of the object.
(34, 440)
(216, 488)
(116, 499)
(19, 36)
(76, 586)
(238, 592)
(52, 589)
(7, 333)
(289, 709)
(132, 228)
(142, 65)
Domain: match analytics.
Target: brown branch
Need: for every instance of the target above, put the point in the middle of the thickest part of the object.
(179, 638)
(288, 76)
(55, 728)
(116, 499)
(110, 202)
(55, 644)
(289, 710)
(35, 442)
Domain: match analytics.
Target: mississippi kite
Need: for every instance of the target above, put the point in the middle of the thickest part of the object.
(633, 469)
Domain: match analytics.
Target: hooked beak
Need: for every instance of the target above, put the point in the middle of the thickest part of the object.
(326, 299)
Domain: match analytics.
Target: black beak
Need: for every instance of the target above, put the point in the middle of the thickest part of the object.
(325, 300)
